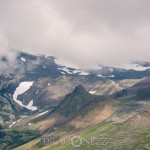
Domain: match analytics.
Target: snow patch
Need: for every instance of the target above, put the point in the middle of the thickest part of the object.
(75, 71)
(101, 76)
(12, 124)
(111, 76)
(22, 88)
(62, 73)
(79, 72)
(30, 106)
(23, 59)
(65, 70)
(92, 92)
(42, 113)
(83, 73)
(29, 124)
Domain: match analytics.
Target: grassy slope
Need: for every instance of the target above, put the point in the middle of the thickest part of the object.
(116, 122)
(113, 137)
(128, 132)
(133, 134)
(89, 117)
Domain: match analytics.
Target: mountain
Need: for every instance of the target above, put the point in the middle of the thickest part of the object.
(38, 97)
(71, 107)
(36, 66)
(140, 90)
(113, 123)
(52, 81)
(76, 100)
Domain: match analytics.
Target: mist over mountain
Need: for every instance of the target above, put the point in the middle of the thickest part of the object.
(74, 74)
(80, 33)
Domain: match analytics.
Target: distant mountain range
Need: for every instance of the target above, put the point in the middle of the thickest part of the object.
(40, 66)
(39, 96)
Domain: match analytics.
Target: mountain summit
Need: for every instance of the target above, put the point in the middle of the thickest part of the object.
(79, 90)
(76, 100)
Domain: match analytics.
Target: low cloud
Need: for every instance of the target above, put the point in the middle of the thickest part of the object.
(77, 32)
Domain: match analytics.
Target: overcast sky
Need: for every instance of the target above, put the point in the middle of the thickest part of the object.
(80, 32)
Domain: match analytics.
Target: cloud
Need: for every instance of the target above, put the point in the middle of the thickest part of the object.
(78, 32)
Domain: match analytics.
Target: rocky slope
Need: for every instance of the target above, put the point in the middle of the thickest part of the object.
(104, 95)
(117, 123)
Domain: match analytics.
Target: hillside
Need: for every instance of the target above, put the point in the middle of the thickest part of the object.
(40, 97)
(119, 124)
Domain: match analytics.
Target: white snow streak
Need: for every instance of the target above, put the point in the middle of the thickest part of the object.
(23, 59)
(92, 92)
(22, 88)
(42, 113)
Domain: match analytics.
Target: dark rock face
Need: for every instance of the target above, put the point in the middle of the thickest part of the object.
(76, 100)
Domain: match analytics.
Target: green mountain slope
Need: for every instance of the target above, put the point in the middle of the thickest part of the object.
(113, 124)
